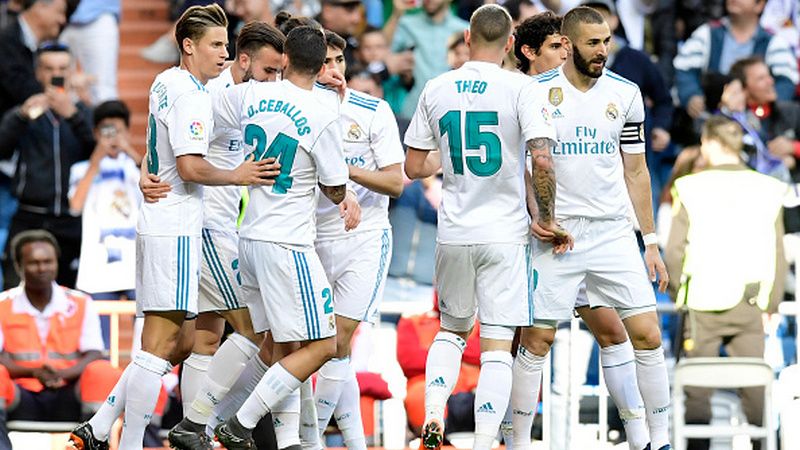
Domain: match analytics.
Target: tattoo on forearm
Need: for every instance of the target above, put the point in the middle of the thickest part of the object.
(334, 193)
(543, 178)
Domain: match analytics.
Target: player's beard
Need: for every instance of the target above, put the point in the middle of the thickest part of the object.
(248, 75)
(584, 66)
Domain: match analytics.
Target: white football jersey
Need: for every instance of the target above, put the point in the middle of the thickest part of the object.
(592, 128)
(371, 142)
(179, 123)
(289, 123)
(221, 203)
(480, 117)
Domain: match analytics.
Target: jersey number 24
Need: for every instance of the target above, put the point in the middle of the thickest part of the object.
(474, 138)
(282, 148)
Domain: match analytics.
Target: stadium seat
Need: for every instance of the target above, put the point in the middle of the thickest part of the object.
(705, 372)
(789, 381)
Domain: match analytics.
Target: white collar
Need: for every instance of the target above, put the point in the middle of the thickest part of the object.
(59, 303)
(28, 37)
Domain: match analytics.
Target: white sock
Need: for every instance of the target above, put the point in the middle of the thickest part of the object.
(506, 430)
(109, 411)
(276, 384)
(619, 371)
(441, 373)
(651, 374)
(330, 380)
(194, 370)
(223, 371)
(527, 378)
(309, 433)
(286, 420)
(491, 396)
(348, 413)
(142, 388)
(253, 372)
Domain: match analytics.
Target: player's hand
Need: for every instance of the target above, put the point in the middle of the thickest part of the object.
(350, 211)
(655, 266)
(553, 233)
(252, 172)
(153, 189)
(335, 79)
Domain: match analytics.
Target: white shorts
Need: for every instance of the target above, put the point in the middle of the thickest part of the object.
(356, 266)
(295, 301)
(494, 279)
(220, 283)
(605, 257)
(167, 273)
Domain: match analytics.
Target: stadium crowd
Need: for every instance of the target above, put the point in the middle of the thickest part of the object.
(721, 139)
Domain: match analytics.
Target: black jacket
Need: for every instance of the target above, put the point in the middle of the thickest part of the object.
(48, 147)
(784, 120)
(17, 78)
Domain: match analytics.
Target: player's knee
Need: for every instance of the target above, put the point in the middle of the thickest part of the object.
(182, 349)
(460, 326)
(647, 338)
(610, 334)
(538, 339)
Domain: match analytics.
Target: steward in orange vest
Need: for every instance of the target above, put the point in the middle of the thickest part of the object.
(50, 367)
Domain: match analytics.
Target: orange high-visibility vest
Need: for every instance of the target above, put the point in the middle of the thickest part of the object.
(23, 345)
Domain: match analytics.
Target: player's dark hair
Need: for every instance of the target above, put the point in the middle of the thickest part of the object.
(194, 22)
(26, 237)
(577, 16)
(256, 35)
(306, 49)
(725, 131)
(533, 32)
(286, 22)
(334, 40)
(112, 109)
(490, 24)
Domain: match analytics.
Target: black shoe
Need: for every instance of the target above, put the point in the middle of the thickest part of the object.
(185, 436)
(233, 436)
(82, 438)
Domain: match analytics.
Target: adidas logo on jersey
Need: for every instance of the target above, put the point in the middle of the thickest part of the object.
(438, 382)
(487, 408)
(557, 114)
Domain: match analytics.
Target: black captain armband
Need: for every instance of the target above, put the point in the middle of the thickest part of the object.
(632, 133)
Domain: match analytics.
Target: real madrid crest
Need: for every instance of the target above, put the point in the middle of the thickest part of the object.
(611, 112)
(556, 96)
(354, 132)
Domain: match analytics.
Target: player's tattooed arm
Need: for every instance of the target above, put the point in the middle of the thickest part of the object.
(334, 193)
(543, 178)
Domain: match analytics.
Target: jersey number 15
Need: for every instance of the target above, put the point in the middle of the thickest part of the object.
(474, 138)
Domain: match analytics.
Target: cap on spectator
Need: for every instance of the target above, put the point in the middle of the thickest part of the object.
(607, 4)
(341, 2)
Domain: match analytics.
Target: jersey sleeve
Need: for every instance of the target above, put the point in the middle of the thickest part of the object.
(385, 137)
(228, 106)
(91, 335)
(328, 155)
(76, 174)
(419, 134)
(189, 123)
(534, 116)
(632, 138)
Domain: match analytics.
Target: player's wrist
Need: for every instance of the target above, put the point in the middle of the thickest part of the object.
(650, 239)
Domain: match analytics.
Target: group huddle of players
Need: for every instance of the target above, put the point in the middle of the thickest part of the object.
(538, 175)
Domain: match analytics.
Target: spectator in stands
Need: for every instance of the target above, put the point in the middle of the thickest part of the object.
(362, 80)
(93, 35)
(396, 70)
(105, 191)
(343, 17)
(426, 35)
(732, 279)
(415, 335)
(715, 46)
(50, 366)
(457, 51)
(51, 133)
(38, 21)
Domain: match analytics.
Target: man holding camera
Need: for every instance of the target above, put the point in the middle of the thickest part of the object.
(51, 133)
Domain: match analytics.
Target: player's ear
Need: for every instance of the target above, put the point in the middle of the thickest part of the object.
(284, 61)
(466, 37)
(529, 53)
(187, 46)
(322, 70)
(243, 60)
(509, 44)
(567, 44)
